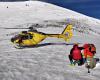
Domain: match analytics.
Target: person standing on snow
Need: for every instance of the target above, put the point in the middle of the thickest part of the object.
(88, 56)
(89, 51)
(76, 55)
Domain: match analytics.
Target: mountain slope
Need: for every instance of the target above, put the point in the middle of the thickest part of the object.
(44, 62)
(30, 12)
(37, 8)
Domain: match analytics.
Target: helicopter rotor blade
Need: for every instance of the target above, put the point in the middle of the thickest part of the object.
(13, 28)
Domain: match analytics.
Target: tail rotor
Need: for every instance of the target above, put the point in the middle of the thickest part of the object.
(67, 32)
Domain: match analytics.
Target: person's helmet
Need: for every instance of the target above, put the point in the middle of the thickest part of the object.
(86, 46)
(75, 45)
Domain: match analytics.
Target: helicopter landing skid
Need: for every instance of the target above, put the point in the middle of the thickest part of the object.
(17, 46)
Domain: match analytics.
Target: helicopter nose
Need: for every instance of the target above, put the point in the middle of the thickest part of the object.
(12, 39)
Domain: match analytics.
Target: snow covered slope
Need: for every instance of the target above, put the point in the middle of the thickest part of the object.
(27, 13)
(38, 10)
(44, 62)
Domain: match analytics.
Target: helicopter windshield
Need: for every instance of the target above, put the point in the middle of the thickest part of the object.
(26, 36)
(17, 36)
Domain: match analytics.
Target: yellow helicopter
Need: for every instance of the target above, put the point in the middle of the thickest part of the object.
(33, 37)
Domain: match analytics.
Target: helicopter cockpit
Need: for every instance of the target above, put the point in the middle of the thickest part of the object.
(25, 35)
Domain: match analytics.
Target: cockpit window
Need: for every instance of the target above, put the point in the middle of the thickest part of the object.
(27, 36)
(17, 37)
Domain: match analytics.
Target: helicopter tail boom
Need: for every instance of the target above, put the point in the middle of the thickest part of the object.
(66, 34)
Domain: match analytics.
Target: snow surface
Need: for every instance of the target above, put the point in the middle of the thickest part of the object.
(48, 62)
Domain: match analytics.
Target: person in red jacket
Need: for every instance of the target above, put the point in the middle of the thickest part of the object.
(75, 55)
(89, 50)
(88, 56)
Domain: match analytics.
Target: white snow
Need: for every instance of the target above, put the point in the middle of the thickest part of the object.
(97, 65)
(45, 62)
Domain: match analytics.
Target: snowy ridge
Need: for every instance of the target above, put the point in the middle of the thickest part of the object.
(42, 11)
